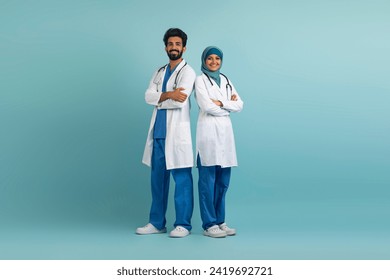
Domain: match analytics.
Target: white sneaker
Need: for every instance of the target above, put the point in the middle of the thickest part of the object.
(229, 231)
(179, 231)
(214, 231)
(149, 229)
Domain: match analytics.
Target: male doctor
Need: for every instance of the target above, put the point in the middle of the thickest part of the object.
(168, 148)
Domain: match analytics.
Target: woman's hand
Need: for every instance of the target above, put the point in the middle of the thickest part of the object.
(217, 102)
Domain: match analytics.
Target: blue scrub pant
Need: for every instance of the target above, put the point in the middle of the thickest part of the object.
(184, 200)
(213, 184)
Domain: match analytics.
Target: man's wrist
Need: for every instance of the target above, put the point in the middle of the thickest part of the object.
(164, 96)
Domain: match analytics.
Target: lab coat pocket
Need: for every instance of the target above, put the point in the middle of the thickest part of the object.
(183, 133)
(183, 144)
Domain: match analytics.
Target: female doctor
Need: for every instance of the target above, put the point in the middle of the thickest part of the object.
(215, 147)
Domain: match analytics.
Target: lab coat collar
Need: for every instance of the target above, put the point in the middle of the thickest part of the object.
(207, 82)
(179, 66)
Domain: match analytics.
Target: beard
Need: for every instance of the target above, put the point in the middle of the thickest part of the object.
(174, 55)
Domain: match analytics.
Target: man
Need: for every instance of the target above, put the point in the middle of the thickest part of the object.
(168, 148)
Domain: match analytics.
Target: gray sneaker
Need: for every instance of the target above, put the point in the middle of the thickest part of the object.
(149, 229)
(215, 231)
(179, 231)
(229, 231)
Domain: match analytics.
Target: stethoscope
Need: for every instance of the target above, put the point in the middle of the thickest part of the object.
(158, 78)
(228, 85)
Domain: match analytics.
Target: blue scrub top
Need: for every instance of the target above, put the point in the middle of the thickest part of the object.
(160, 125)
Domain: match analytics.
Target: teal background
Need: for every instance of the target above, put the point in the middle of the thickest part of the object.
(312, 140)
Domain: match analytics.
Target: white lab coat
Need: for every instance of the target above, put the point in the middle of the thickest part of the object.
(214, 134)
(178, 143)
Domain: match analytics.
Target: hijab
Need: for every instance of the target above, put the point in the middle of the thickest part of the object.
(212, 74)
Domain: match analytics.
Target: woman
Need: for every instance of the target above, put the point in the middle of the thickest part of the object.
(215, 147)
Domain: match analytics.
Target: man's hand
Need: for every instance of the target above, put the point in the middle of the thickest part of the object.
(234, 98)
(176, 95)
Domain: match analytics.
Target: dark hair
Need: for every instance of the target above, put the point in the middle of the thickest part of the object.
(175, 32)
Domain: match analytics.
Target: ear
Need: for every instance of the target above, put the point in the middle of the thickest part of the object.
(184, 49)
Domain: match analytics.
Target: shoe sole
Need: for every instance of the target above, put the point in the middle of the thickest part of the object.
(179, 236)
(147, 233)
(214, 236)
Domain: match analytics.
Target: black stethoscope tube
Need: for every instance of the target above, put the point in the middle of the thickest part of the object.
(228, 85)
(177, 75)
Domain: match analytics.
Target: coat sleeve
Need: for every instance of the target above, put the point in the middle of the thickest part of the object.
(186, 81)
(204, 101)
(233, 106)
(152, 95)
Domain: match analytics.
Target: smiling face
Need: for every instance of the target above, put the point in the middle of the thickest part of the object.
(213, 62)
(175, 48)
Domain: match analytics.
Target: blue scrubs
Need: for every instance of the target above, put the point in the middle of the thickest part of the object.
(184, 203)
(213, 184)
(160, 177)
(160, 124)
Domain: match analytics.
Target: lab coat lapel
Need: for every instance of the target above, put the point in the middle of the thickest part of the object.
(213, 89)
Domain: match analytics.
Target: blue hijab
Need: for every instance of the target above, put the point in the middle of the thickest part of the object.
(212, 74)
